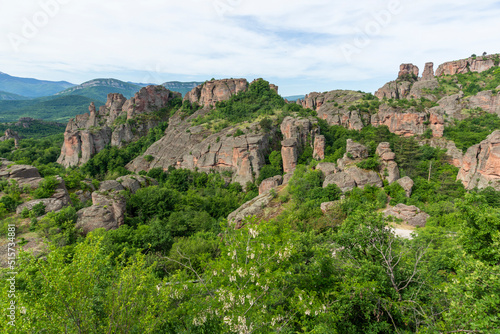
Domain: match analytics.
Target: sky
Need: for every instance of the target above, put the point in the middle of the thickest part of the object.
(302, 46)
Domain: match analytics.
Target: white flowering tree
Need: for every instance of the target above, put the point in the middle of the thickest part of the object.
(252, 287)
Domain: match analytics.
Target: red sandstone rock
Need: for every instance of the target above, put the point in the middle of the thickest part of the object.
(212, 92)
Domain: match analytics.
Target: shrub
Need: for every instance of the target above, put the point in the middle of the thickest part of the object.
(372, 163)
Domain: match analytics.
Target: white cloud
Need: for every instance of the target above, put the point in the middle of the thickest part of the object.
(284, 40)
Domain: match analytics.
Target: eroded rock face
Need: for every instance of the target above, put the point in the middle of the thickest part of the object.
(481, 164)
(136, 182)
(423, 88)
(51, 204)
(194, 147)
(327, 168)
(319, 147)
(406, 124)
(394, 90)
(389, 168)
(251, 208)
(95, 217)
(485, 100)
(479, 64)
(411, 215)
(353, 177)
(28, 176)
(428, 73)
(407, 184)
(270, 183)
(10, 134)
(88, 134)
(408, 71)
(214, 91)
(455, 156)
(297, 134)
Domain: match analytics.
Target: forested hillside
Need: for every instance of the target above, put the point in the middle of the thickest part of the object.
(233, 211)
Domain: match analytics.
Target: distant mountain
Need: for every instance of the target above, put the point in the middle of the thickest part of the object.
(10, 96)
(31, 87)
(98, 89)
(181, 87)
(294, 97)
(53, 108)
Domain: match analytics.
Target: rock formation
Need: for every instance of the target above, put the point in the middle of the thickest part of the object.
(405, 124)
(407, 184)
(211, 92)
(9, 134)
(270, 183)
(478, 64)
(481, 164)
(319, 147)
(353, 177)
(254, 207)
(408, 71)
(195, 147)
(28, 176)
(388, 168)
(89, 133)
(428, 73)
(411, 215)
(297, 134)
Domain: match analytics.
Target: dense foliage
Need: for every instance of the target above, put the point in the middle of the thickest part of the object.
(35, 129)
(472, 130)
(177, 265)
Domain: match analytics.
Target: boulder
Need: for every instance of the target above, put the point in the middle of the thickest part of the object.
(95, 217)
(17, 172)
(327, 168)
(51, 205)
(110, 186)
(364, 177)
(270, 183)
(325, 207)
(481, 164)
(136, 182)
(407, 184)
(411, 215)
(343, 180)
(356, 150)
(389, 167)
(251, 208)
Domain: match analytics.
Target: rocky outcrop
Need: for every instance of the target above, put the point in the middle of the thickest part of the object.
(355, 152)
(477, 64)
(327, 168)
(9, 134)
(211, 92)
(408, 71)
(118, 122)
(51, 204)
(481, 164)
(394, 90)
(327, 206)
(388, 168)
(455, 156)
(410, 215)
(334, 107)
(423, 89)
(428, 73)
(407, 184)
(406, 124)
(297, 133)
(28, 176)
(136, 182)
(485, 100)
(254, 207)
(195, 147)
(353, 177)
(319, 147)
(270, 183)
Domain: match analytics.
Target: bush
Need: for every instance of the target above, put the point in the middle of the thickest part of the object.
(46, 188)
(372, 163)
